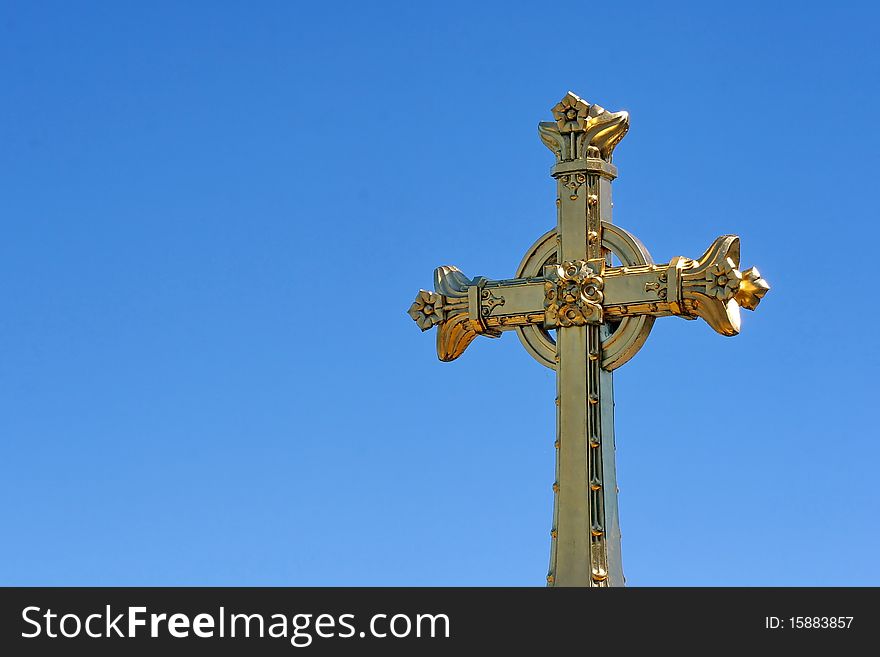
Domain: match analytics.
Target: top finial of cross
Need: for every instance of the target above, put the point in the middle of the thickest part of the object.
(582, 130)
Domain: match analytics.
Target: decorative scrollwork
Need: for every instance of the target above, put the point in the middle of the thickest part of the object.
(658, 286)
(488, 302)
(574, 182)
(572, 295)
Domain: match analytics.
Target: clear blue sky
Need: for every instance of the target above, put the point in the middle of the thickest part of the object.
(215, 215)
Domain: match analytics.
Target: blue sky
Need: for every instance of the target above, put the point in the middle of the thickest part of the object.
(214, 217)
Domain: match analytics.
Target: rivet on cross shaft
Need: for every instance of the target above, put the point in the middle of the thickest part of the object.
(601, 315)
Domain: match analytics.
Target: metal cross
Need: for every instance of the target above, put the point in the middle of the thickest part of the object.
(601, 315)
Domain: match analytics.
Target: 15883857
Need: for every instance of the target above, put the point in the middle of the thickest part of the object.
(808, 622)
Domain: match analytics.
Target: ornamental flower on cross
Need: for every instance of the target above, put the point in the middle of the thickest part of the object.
(576, 282)
(572, 315)
(571, 114)
(569, 291)
(426, 310)
(591, 289)
(573, 295)
(723, 280)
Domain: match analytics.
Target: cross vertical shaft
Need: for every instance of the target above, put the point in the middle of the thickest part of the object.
(585, 548)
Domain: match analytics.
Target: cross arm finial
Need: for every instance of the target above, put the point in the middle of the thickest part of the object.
(583, 130)
(449, 308)
(711, 287)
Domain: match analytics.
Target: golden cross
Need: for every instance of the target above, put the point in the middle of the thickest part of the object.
(602, 315)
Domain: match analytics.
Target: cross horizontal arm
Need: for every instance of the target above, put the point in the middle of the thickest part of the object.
(578, 293)
(711, 287)
(463, 308)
